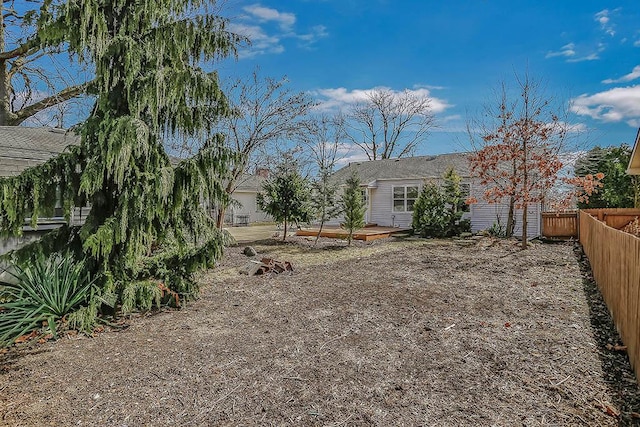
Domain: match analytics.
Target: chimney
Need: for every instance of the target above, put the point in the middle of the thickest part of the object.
(262, 172)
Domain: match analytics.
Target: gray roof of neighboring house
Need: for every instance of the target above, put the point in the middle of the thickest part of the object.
(250, 183)
(405, 168)
(24, 147)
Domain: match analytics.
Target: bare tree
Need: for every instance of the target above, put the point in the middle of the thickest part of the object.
(389, 124)
(324, 140)
(32, 34)
(264, 112)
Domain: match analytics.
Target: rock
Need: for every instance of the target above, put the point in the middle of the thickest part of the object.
(249, 251)
(465, 235)
(251, 268)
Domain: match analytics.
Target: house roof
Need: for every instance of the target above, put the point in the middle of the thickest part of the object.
(420, 167)
(634, 162)
(251, 183)
(24, 147)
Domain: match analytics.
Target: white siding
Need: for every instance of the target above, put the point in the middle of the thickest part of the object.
(248, 200)
(484, 215)
(381, 203)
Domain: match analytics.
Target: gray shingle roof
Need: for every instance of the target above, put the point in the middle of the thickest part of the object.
(406, 168)
(24, 147)
(248, 182)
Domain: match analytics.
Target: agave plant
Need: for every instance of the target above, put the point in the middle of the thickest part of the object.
(45, 290)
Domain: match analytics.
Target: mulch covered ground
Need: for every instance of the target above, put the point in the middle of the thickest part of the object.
(397, 332)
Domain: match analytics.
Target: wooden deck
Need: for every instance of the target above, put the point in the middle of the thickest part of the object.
(367, 234)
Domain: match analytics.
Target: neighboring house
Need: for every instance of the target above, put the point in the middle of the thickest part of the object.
(634, 162)
(246, 194)
(391, 186)
(22, 148)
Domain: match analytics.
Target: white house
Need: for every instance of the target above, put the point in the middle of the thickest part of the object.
(246, 193)
(22, 148)
(391, 186)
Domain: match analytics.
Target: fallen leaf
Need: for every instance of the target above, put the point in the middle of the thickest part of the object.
(616, 347)
(507, 325)
(635, 415)
(27, 337)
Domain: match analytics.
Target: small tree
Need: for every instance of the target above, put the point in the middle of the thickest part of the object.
(438, 210)
(431, 218)
(518, 160)
(323, 140)
(353, 206)
(455, 202)
(286, 196)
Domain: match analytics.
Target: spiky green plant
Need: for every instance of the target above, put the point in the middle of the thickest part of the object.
(45, 290)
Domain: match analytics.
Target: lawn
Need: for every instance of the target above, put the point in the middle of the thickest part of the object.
(394, 332)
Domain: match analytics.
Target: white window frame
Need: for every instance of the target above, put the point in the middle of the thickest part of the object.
(404, 198)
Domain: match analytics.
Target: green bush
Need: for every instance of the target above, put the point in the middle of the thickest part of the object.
(45, 290)
(438, 211)
(431, 217)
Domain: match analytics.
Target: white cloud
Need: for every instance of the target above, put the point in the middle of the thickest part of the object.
(604, 19)
(349, 153)
(267, 38)
(339, 98)
(260, 42)
(265, 14)
(620, 104)
(590, 57)
(634, 74)
(317, 32)
(567, 50)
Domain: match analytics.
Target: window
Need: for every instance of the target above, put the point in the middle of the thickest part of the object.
(404, 197)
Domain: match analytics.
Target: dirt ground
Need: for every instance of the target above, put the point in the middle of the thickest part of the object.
(391, 333)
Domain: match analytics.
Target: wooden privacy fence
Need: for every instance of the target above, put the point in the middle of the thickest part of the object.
(614, 217)
(563, 225)
(615, 262)
(560, 225)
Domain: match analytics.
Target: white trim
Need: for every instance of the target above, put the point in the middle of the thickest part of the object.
(405, 198)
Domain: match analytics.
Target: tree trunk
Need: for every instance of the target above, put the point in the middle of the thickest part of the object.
(511, 223)
(284, 236)
(220, 218)
(5, 84)
(524, 224)
(319, 232)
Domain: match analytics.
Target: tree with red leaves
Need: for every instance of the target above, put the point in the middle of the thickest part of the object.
(517, 159)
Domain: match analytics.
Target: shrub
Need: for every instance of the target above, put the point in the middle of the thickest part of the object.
(46, 290)
(438, 211)
(353, 206)
(431, 217)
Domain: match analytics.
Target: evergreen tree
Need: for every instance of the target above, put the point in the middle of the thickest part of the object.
(438, 211)
(286, 196)
(619, 189)
(431, 218)
(455, 202)
(324, 201)
(146, 231)
(353, 206)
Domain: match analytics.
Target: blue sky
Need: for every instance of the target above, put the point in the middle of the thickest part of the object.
(455, 52)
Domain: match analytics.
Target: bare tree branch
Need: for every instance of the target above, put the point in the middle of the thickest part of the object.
(63, 95)
(389, 124)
